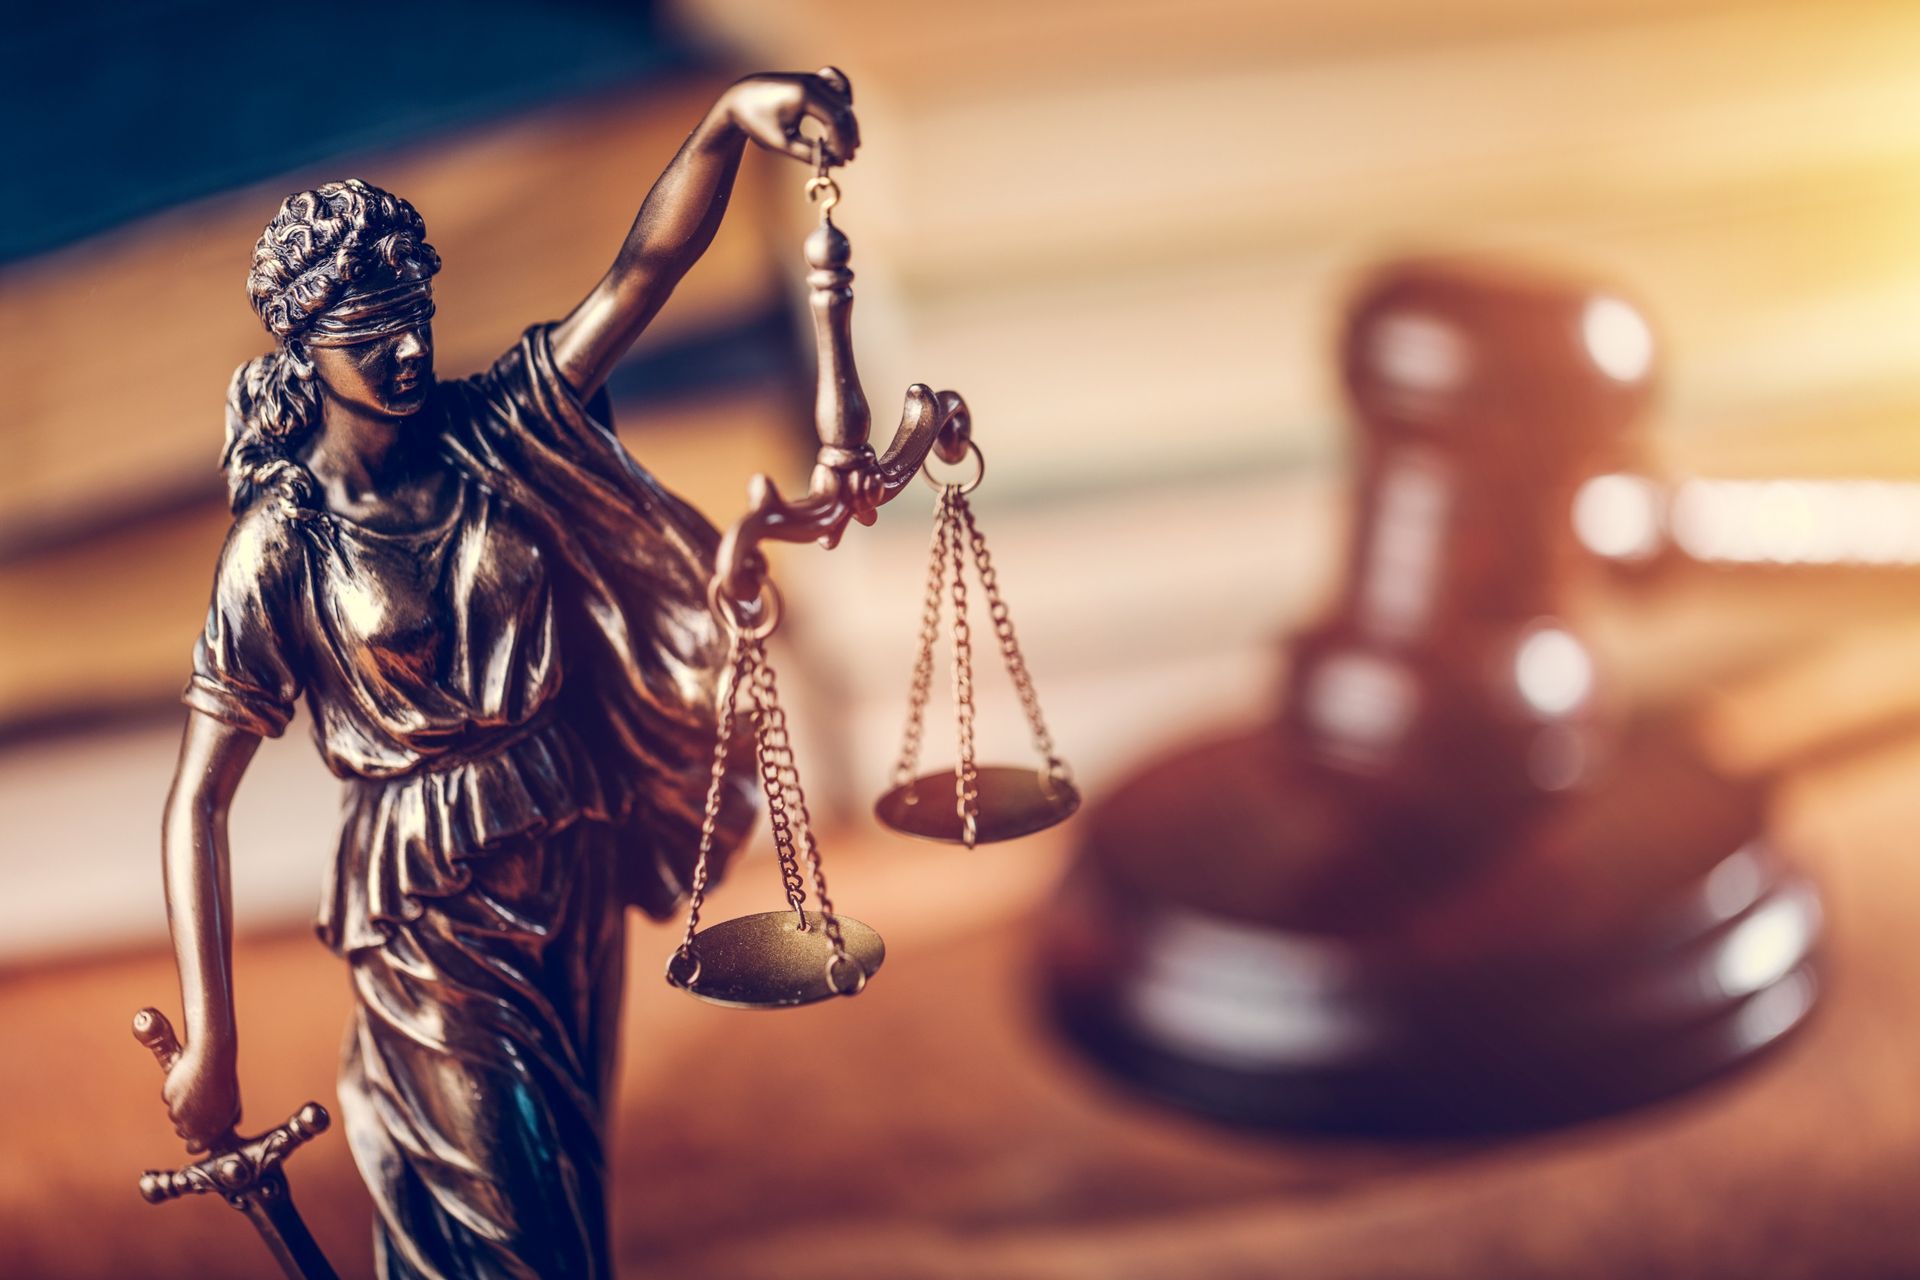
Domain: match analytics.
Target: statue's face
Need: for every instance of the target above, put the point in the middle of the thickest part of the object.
(389, 376)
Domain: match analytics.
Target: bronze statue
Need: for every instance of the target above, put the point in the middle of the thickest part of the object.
(500, 624)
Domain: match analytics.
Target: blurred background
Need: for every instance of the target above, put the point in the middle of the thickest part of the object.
(1126, 232)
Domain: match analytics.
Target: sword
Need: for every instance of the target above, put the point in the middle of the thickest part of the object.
(246, 1171)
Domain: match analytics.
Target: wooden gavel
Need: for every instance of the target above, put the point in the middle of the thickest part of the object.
(1452, 885)
(1775, 522)
(1497, 413)
(1447, 669)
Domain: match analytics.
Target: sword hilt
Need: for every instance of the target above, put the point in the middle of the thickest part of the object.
(239, 1169)
(241, 1165)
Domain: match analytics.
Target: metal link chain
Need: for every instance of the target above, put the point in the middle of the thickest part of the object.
(922, 687)
(966, 790)
(956, 534)
(773, 756)
(1009, 642)
(739, 660)
(767, 695)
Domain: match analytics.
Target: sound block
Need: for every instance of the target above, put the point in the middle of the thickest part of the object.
(1247, 935)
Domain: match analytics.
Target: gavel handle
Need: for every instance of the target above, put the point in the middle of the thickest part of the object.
(1778, 522)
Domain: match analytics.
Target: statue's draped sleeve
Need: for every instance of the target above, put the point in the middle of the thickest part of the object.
(243, 674)
(644, 652)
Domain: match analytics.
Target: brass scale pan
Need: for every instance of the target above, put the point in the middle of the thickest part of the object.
(765, 961)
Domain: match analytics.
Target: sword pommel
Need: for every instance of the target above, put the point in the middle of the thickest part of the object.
(151, 1028)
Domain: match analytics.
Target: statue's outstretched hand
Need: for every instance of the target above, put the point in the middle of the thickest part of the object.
(769, 108)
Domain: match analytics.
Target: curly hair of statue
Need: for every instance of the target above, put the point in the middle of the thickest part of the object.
(322, 244)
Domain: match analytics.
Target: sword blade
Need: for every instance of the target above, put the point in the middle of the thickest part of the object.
(268, 1204)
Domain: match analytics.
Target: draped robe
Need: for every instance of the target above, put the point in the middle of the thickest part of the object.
(520, 699)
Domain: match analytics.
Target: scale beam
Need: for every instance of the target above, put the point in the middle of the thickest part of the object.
(849, 481)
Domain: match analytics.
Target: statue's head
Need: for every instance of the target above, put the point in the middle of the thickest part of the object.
(342, 278)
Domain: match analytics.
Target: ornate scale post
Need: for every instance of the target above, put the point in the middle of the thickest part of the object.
(796, 956)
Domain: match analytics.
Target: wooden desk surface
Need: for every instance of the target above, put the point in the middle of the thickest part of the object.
(934, 1127)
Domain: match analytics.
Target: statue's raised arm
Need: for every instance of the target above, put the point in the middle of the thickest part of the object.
(678, 219)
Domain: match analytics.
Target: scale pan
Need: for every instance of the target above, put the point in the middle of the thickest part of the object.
(1014, 802)
(764, 961)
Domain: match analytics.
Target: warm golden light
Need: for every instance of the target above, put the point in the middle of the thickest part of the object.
(1786, 522)
(1618, 516)
(1553, 671)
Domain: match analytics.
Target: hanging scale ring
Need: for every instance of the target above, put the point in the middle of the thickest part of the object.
(729, 611)
(964, 487)
(845, 975)
(683, 967)
(822, 189)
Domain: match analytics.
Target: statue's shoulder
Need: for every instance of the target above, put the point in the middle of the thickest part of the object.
(471, 399)
(522, 393)
(268, 544)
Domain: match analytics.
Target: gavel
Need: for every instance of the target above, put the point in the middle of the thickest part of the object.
(1452, 884)
(1447, 675)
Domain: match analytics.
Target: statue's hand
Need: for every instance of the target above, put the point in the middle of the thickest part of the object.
(769, 108)
(202, 1093)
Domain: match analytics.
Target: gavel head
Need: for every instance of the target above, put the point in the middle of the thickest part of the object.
(1484, 395)
(1497, 364)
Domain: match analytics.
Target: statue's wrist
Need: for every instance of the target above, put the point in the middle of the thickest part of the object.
(720, 128)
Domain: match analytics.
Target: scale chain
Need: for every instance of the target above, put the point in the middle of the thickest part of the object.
(966, 774)
(1009, 643)
(922, 686)
(785, 776)
(769, 743)
(739, 660)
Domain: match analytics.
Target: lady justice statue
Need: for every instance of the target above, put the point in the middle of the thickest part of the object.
(500, 625)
